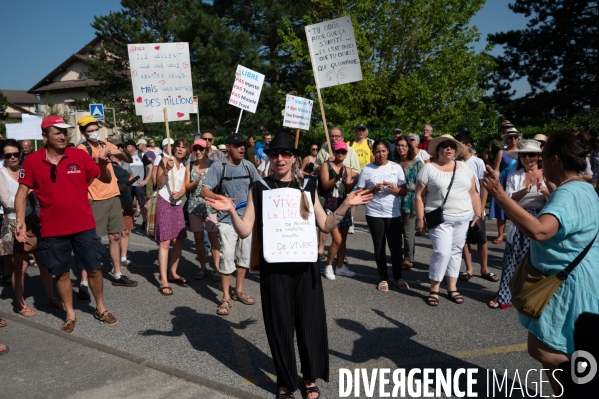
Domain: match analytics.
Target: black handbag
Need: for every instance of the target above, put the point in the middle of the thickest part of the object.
(435, 217)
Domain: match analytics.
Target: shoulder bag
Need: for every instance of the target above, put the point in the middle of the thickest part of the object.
(532, 290)
(435, 217)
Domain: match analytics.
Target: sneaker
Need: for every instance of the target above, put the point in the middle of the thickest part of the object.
(328, 273)
(125, 281)
(322, 258)
(344, 271)
(127, 263)
(136, 214)
(84, 293)
(351, 229)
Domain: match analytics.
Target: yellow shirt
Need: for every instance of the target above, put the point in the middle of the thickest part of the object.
(363, 151)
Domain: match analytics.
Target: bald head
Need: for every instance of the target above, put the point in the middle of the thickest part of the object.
(27, 146)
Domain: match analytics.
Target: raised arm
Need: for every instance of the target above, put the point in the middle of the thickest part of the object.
(243, 226)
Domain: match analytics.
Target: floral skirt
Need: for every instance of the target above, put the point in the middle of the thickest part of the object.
(170, 223)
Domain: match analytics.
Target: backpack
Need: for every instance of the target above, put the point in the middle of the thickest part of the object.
(369, 141)
(217, 189)
(89, 147)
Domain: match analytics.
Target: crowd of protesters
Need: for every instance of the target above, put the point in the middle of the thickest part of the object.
(409, 186)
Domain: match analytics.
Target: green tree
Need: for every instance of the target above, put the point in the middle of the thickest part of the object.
(557, 53)
(215, 51)
(417, 63)
(3, 105)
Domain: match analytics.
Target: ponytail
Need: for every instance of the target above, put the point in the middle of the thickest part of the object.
(304, 203)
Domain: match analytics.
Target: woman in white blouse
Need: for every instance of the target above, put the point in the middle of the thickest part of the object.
(462, 206)
(527, 187)
(420, 153)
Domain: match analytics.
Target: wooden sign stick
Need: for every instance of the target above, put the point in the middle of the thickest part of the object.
(297, 136)
(168, 141)
(324, 120)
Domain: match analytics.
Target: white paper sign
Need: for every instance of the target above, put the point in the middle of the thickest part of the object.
(334, 52)
(246, 90)
(24, 131)
(161, 77)
(298, 112)
(286, 236)
(34, 119)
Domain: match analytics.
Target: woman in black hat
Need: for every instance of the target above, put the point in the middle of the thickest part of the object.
(292, 296)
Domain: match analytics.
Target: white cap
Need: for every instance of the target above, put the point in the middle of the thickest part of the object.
(165, 142)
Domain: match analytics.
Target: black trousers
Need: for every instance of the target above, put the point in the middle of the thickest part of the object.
(293, 302)
(389, 228)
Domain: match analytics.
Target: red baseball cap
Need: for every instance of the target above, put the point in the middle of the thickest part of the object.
(200, 142)
(56, 121)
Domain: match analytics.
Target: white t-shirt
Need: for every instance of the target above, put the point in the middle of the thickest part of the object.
(165, 192)
(423, 156)
(459, 203)
(477, 166)
(137, 167)
(384, 204)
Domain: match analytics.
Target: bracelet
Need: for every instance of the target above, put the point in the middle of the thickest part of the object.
(337, 216)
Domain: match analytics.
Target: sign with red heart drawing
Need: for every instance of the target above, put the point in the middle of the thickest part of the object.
(161, 77)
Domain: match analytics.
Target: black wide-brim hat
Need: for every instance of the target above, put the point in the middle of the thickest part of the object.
(282, 141)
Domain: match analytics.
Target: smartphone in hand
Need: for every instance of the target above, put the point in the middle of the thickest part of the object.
(130, 182)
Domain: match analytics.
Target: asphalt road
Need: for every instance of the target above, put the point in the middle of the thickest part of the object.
(182, 337)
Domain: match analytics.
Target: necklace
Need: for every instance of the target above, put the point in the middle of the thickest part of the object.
(288, 184)
(567, 180)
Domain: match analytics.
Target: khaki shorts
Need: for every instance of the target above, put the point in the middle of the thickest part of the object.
(149, 189)
(128, 216)
(196, 223)
(234, 251)
(108, 215)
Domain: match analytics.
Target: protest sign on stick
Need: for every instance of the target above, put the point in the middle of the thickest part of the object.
(246, 90)
(298, 112)
(169, 147)
(334, 57)
(161, 78)
(24, 131)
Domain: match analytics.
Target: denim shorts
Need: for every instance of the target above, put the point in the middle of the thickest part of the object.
(55, 252)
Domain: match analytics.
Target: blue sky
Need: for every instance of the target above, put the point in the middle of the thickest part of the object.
(36, 39)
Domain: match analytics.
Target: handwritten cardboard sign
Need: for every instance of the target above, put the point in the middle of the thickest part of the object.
(286, 236)
(161, 77)
(246, 89)
(334, 52)
(24, 131)
(298, 112)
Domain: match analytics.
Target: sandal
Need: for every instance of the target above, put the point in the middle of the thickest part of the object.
(166, 287)
(383, 286)
(406, 265)
(201, 274)
(3, 323)
(178, 280)
(457, 298)
(402, 284)
(26, 312)
(242, 297)
(431, 300)
(32, 263)
(225, 305)
(57, 303)
(494, 303)
(216, 277)
(497, 240)
(312, 389)
(492, 277)
(285, 395)
(3, 351)
(464, 276)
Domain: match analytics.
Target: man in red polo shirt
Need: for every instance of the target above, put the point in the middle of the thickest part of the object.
(428, 136)
(59, 176)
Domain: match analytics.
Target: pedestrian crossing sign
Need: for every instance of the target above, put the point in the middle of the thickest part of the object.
(97, 110)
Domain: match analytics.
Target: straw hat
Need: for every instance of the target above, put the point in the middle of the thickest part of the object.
(512, 132)
(541, 138)
(507, 123)
(432, 147)
(526, 146)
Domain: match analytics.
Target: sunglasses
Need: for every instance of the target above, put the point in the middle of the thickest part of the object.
(313, 149)
(343, 152)
(53, 173)
(512, 137)
(450, 145)
(207, 139)
(412, 139)
(275, 154)
(198, 148)
(14, 154)
(528, 154)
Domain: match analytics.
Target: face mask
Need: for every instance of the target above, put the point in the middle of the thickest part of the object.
(95, 136)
